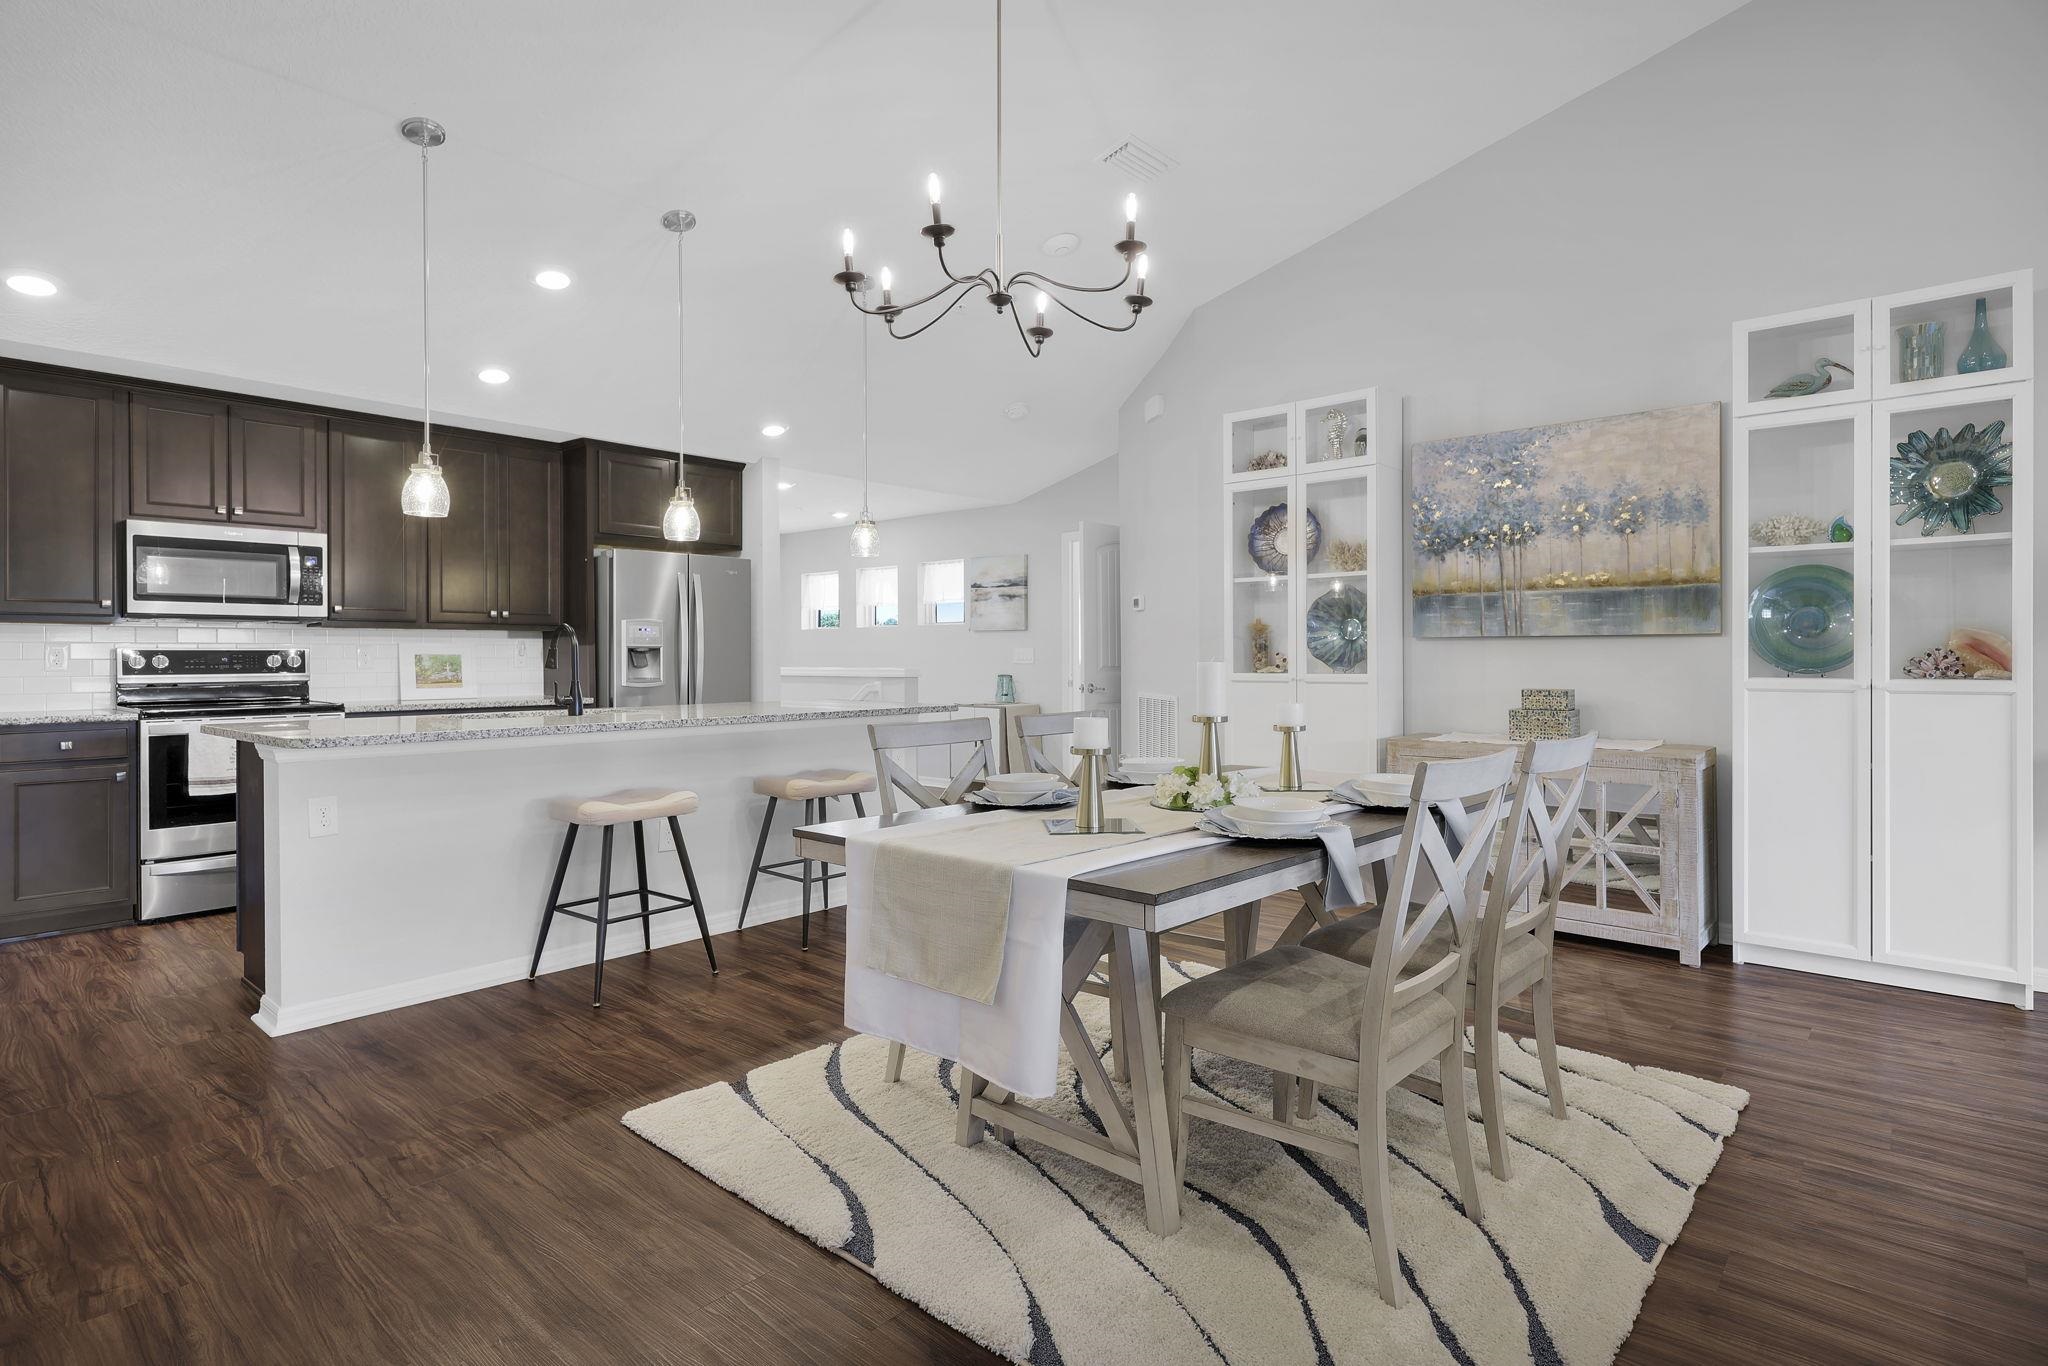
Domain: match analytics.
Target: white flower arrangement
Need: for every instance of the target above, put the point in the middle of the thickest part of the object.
(1184, 789)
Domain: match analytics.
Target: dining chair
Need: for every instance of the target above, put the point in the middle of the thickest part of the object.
(1320, 1017)
(1513, 951)
(899, 737)
(1034, 731)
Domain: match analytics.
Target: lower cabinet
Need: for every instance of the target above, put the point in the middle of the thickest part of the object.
(69, 828)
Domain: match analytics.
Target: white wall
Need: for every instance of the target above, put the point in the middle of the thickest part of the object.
(1795, 153)
(352, 665)
(761, 543)
(953, 663)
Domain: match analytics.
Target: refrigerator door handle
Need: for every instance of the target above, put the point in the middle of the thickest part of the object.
(686, 674)
(696, 638)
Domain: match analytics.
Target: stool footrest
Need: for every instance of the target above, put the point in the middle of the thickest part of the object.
(775, 870)
(673, 903)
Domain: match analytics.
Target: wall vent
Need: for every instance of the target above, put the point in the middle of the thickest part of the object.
(1137, 159)
(1157, 728)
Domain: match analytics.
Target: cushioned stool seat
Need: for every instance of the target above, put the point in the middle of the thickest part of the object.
(814, 782)
(634, 804)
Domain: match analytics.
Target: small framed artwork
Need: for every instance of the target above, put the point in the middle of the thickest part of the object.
(424, 675)
(998, 593)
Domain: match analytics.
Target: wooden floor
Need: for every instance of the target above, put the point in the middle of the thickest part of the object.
(450, 1183)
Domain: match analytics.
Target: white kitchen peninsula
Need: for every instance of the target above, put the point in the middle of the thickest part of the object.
(431, 877)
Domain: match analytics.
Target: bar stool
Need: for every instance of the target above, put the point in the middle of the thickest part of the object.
(814, 787)
(621, 808)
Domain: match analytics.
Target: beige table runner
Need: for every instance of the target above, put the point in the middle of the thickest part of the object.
(942, 892)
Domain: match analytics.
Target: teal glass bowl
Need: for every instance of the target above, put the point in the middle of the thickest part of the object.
(1802, 619)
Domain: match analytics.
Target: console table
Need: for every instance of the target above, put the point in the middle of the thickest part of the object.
(1641, 862)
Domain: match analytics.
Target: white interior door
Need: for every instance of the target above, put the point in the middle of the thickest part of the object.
(1094, 644)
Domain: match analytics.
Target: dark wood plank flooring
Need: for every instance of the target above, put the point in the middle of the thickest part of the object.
(450, 1183)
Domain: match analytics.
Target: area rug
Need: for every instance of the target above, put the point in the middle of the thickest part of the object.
(1045, 1259)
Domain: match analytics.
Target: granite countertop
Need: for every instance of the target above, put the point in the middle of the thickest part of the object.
(452, 704)
(357, 732)
(82, 717)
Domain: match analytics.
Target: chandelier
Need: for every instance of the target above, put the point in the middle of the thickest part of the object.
(1001, 288)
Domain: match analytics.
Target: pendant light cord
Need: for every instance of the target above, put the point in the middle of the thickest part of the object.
(682, 483)
(863, 417)
(999, 141)
(426, 356)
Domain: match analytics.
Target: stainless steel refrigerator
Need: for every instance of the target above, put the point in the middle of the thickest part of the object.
(672, 629)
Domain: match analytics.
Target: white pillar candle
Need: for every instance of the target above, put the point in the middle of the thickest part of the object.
(1210, 679)
(1091, 732)
(1293, 714)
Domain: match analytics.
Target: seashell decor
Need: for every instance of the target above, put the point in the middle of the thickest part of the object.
(1985, 654)
(1792, 529)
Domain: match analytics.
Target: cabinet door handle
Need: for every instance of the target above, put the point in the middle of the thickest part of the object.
(221, 510)
(67, 744)
(106, 602)
(121, 777)
(238, 512)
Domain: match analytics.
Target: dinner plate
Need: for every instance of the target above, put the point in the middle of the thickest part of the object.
(1021, 784)
(1349, 791)
(1065, 796)
(1299, 836)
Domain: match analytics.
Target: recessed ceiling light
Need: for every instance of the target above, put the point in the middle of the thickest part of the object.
(491, 374)
(1060, 244)
(774, 429)
(552, 279)
(840, 515)
(1017, 412)
(35, 286)
(784, 485)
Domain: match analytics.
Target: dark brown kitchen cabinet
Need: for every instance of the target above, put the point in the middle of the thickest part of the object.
(530, 568)
(496, 559)
(634, 487)
(177, 457)
(716, 488)
(375, 552)
(57, 460)
(67, 828)
(277, 467)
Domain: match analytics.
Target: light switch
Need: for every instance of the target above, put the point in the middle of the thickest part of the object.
(1137, 602)
(1023, 654)
(323, 816)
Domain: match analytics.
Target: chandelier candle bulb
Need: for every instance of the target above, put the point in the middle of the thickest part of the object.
(1131, 216)
(888, 283)
(846, 248)
(931, 188)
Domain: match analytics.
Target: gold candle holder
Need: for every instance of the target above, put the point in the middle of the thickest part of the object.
(1088, 818)
(1211, 760)
(1290, 758)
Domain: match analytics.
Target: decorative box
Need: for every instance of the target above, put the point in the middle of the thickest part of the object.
(1543, 723)
(1550, 699)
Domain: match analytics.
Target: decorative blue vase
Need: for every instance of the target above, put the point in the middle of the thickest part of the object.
(1982, 353)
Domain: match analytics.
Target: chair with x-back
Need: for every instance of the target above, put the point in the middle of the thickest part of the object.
(1034, 731)
(915, 737)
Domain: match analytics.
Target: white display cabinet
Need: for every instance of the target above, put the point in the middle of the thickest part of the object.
(1769, 351)
(1884, 823)
(1309, 615)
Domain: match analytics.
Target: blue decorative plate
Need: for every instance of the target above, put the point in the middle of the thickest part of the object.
(1336, 629)
(1802, 619)
(1268, 540)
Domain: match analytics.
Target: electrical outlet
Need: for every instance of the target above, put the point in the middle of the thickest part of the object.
(522, 648)
(323, 816)
(1023, 654)
(56, 659)
(362, 656)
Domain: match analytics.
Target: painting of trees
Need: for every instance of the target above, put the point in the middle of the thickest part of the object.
(1605, 526)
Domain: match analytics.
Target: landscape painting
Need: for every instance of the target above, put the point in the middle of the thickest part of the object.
(1609, 526)
(434, 673)
(998, 593)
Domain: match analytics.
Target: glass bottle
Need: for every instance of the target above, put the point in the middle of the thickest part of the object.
(1982, 353)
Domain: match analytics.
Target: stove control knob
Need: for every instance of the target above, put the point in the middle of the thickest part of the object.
(132, 659)
(160, 662)
(293, 659)
(273, 661)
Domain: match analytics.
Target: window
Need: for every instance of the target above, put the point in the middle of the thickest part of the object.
(942, 592)
(821, 601)
(875, 590)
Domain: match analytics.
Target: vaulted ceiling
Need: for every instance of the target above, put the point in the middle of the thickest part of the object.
(220, 192)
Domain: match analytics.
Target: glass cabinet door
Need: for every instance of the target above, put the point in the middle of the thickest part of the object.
(1261, 443)
(1262, 556)
(1335, 624)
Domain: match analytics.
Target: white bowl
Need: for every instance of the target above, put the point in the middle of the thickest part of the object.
(1281, 811)
(1135, 766)
(1021, 784)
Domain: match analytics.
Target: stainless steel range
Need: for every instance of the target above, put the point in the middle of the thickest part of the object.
(187, 836)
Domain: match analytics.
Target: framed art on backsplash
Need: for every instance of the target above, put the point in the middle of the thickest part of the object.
(427, 674)
(1608, 526)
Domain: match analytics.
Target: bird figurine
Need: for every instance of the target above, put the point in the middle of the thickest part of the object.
(1799, 386)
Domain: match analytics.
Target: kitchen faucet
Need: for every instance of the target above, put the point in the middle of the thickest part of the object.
(574, 701)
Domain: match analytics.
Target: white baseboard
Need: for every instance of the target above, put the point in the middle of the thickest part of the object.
(1887, 974)
(676, 927)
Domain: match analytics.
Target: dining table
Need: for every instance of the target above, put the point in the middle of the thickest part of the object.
(1125, 908)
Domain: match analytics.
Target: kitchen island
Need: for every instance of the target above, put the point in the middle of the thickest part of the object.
(388, 860)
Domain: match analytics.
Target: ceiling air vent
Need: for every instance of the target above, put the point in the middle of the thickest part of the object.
(1137, 159)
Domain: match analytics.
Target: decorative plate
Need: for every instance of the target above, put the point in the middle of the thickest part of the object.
(1059, 796)
(1802, 619)
(1336, 629)
(1268, 540)
(1313, 832)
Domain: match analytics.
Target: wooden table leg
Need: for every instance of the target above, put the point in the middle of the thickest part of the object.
(1240, 933)
(1136, 963)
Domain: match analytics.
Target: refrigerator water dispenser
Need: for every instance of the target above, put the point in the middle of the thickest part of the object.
(643, 645)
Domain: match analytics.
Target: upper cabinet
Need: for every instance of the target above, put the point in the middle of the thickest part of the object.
(57, 449)
(199, 459)
(374, 551)
(530, 566)
(629, 490)
(495, 560)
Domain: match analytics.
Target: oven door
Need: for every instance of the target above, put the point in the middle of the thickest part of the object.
(187, 788)
(176, 569)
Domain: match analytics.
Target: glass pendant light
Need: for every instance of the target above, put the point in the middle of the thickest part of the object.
(867, 537)
(679, 520)
(426, 490)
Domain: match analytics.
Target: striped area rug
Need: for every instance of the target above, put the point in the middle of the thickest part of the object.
(1047, 1260)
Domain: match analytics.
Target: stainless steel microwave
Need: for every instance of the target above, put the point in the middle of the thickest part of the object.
(203, 569)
